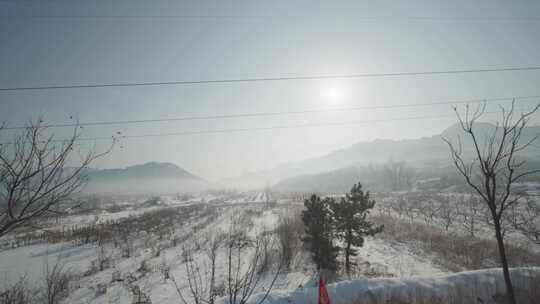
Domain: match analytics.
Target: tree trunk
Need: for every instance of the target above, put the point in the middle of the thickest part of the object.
(213, 280)
(349, 240)
(504, 263)
(347, 261)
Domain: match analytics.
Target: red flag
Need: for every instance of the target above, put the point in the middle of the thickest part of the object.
(323, 293)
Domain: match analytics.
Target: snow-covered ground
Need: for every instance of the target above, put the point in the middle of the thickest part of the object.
(387, 258)
(29, 261)
(376, 256)
(103, 216)
(481, 286)
(163, 291)
(393, 268)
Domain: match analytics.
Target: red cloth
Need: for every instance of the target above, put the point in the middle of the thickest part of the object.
(323, 293)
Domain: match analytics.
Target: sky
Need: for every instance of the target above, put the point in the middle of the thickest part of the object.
(258, 39)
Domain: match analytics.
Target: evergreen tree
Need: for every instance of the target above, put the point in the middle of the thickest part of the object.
(350, 216)
(319, 224)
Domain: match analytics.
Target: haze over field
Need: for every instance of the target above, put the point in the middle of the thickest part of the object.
(269, 152)
(331, 172)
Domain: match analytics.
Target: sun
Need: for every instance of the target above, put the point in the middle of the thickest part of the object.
(333, 93)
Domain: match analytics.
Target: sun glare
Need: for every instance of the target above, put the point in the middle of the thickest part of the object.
(333, 93)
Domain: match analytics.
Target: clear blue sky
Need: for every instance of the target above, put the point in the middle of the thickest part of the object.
(324, 37)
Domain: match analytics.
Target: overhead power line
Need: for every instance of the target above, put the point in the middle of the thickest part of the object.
(236, 130)
(246, 17)
(281, 113)
(296, 126)
(267, 79)
(283, 17)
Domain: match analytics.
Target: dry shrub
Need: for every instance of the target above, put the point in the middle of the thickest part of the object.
(18, 293)
(56, 281)
(289, 230)
(454, 252)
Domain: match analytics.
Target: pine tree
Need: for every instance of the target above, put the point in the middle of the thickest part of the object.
(350, 215)
(319, 224)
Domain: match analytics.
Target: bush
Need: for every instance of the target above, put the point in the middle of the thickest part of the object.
(144, 268)
(17, 293)
(116, 276)
(139, 297)
(289, 231)
(101, 289)
(56, 279)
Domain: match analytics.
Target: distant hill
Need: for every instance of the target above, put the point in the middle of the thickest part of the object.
(337, 181)
(151, 178)
(144, 171)
(420, 153)
(415, 151)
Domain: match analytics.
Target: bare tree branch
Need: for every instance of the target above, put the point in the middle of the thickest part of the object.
(38, 173)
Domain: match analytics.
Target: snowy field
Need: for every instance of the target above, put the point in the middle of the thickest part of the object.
(139, 252)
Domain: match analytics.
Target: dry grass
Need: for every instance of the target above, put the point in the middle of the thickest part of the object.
(452, 251)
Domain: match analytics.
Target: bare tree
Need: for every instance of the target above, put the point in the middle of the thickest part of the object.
(243, 275)
(288, 232)
(197, 279)
(494, 167)
(103, 257)
(411, 208)
(38, 173)
(18, 293)
(201, 277)
(245, 258)
(447, 211)
(214, 240)
(399, 207)
(139, 296)
(470, 212)
(384, 209)
(56, 281)
(429, 209)
(527, 219)
(123, 237)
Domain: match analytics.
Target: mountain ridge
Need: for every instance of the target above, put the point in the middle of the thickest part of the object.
(418, 151)
(146, 178)
(145, 170)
